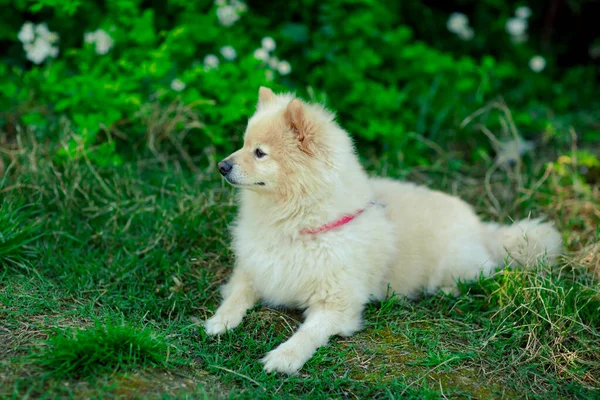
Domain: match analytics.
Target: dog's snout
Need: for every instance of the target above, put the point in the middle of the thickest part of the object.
(225, 167)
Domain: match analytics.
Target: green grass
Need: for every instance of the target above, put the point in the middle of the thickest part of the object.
(104, 348)
(147, 244)
(19, 228)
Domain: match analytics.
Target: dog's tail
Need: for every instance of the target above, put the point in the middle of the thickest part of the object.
(525, 242)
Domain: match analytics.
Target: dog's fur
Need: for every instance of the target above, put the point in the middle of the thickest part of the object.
(409, 238)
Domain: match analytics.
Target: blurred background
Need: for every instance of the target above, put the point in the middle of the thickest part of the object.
(106, 78)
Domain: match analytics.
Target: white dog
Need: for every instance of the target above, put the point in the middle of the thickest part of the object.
(315, 232)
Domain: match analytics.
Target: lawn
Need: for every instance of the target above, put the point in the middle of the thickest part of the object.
(107, 272)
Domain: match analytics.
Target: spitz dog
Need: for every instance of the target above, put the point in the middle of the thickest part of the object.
(315, 232)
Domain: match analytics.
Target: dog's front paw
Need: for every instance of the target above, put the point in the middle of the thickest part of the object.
(284, 359)
(220, 323)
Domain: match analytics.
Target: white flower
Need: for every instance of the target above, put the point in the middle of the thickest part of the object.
(37, 51)
(37, 42)
(52, 37)
(177, 85)
(523, 12)
(53, 52)
(284, 68)
(537, 63)
(101, 39)
(261, 54)
(516, 26)
(229, 12)
(211, 61)
(273, 62)
(26, 34)
(467, 33)
(42, 30)
(268, 43)
(240, 6)
(89, 37)
(228, 53)
(103, 42)
(457, 22)
(227, 15)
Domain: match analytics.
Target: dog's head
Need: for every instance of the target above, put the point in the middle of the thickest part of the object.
(288, 147)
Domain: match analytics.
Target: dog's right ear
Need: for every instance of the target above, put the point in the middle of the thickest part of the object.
(295, 118)
(265, 95)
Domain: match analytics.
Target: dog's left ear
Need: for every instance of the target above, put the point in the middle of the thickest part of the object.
(265, 95)
(295, 117)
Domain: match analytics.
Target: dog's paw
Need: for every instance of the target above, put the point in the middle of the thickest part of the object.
(284, 359)
(219, 324)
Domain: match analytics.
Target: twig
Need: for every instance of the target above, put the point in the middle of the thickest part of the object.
(240, 375)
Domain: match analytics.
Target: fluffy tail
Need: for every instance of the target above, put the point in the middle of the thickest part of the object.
(525, 242)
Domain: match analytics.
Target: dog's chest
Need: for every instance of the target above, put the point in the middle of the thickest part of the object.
(286, 271)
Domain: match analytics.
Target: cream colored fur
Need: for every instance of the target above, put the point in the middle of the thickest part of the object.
(421, 241)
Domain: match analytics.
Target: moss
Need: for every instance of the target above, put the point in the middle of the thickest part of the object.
(136, 385)
(388, 356)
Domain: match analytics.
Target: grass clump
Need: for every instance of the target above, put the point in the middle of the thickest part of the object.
(542, 317)
(18, 229)
(102, 349)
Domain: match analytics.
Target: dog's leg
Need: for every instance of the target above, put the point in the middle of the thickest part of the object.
(321, 322)
(239, 295)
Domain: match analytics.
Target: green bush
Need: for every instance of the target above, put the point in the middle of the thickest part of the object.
(102, 72)
(128, 62)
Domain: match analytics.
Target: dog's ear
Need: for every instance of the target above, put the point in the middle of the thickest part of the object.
(265, 95)
(295, 118)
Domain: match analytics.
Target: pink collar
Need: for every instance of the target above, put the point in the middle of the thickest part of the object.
(343, 220)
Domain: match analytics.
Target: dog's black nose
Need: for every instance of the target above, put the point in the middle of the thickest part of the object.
(225, 167)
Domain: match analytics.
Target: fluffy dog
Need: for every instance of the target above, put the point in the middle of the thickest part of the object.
(315, 232)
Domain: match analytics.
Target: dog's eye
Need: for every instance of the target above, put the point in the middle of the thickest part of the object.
(259, 153)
